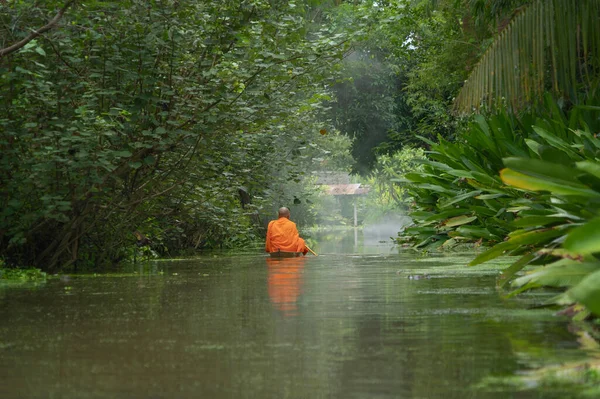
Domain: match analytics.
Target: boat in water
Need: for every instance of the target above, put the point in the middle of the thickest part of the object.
(285, 254)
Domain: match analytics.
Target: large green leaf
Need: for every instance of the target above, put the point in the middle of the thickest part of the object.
(532, 183)
(543, 169)
(564, 273)
(584, 239)
(537, 237)
(587, 292)
(552, 41)
(593, 168)
(554, 140)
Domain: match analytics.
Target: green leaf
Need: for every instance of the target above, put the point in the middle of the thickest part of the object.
(542, 169)
(121, 154)
(584, 239)
(461, 173)
(420, 230)
(482, 211)
(475, 232)
(527, 182)
(516, 267)
(432, 217)
(449, 243)
(587, 292)
(532, 221)
(460, 220)
(553, 140)
(555, 156)
(564, 273)
(536, 237)
(435, 187)
(460, 198)
(593, 168)
(490, 196)
(437, 165)
(421, 215)
(533, 145)
(415, 177)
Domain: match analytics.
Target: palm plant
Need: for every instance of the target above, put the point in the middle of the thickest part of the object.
(549, 45)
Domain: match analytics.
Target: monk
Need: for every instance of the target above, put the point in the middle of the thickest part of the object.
(282, 235)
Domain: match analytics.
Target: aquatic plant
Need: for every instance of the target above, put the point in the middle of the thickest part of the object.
(528, 185)
(21, 274)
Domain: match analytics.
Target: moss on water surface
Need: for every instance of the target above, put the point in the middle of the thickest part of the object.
(456, 265)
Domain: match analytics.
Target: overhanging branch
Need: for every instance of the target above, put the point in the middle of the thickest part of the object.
(36, 33)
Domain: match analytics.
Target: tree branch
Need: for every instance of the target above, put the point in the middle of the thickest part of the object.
(36, 33)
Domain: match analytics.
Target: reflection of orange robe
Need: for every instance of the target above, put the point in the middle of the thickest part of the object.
(285, 284)
(282, 235)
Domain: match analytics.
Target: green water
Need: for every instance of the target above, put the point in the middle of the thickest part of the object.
(346, 325)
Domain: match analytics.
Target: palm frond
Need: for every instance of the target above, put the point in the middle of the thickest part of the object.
(549, 45)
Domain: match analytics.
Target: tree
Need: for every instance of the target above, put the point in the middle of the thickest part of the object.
(102, 119)
(403, 76)
(368, 106)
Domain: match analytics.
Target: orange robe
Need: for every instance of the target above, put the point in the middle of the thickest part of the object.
(282, 234)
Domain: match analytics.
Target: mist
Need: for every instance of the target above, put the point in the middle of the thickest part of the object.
(385, 228)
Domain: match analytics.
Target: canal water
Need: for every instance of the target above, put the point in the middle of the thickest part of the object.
(366, 321)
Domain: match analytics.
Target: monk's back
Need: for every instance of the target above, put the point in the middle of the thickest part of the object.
(282, 235)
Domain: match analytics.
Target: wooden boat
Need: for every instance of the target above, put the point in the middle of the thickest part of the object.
(284, 254)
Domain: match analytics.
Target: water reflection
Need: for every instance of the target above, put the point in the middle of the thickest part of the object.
(332, 326)
(285, 283)
(353, 241)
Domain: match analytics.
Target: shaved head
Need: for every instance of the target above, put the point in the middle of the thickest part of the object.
(284, 212)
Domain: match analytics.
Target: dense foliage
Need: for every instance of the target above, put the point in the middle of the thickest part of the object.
(385, 196)
(176, 120)
(184, 125)
(402, 78)
(535, 181)
(525, 179)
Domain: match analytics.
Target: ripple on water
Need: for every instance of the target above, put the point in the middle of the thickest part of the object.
(322, 327)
